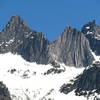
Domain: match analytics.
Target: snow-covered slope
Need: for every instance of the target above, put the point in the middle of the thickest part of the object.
(26, 81)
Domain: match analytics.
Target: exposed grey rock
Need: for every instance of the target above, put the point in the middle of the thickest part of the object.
(18, 38)
(4, 93)
(92, 32)
(71, 48)
(85, 84)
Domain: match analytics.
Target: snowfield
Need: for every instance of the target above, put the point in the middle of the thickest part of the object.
(26, 81)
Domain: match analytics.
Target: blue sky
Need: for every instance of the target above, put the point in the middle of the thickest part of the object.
(51, 16)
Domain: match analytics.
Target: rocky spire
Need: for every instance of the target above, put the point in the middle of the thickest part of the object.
(18, 38)
(71, 48)
(89, 27)
(92, 32)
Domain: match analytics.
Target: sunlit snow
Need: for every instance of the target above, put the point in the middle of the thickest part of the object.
(97, 58)
(88, 32)
(26, 81)
(87, 27)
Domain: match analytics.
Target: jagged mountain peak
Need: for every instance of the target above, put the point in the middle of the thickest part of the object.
(17, 20)
(18, 38)
(16, 17)
(71, 47)
(17, 25)
(90, 27)
(69, 32)
(70, 28)
(15, 28)
(93, 22)
(92, 32)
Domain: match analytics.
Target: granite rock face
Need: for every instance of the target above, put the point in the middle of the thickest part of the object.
(18, 38)
(92, 32)
(71, 48)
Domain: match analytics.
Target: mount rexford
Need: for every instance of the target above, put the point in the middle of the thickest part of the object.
(32, 61)
(71, 47)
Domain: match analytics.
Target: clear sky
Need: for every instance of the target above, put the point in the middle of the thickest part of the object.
(51, 16)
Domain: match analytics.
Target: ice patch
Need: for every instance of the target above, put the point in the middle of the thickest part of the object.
(88, 32)
(10, 41)
(87, 27)
(97, 58)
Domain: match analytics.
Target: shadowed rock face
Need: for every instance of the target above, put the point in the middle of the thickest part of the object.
(89, 80)
(17, 37)
(71, 48)
(85, 84)
(92, 32)
(4, 93)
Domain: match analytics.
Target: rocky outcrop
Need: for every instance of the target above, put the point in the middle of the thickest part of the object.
(89, 81)
(4, 93)
(92, 32)
(85, 84)
(71, 48)
(18, 38)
